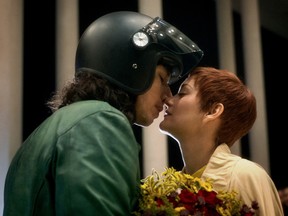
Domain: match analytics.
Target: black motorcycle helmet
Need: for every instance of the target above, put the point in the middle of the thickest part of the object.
(125, 48)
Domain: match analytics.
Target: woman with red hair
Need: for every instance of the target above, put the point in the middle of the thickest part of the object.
(211, 111)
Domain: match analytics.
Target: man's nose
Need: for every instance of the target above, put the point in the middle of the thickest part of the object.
(168, 92)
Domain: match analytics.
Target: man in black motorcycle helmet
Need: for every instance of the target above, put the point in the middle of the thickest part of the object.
(84, 158)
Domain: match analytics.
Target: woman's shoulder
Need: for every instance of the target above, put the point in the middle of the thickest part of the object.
(247, 167)
(235, 163)
(226, 167)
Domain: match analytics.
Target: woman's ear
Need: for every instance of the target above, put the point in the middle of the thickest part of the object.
(215, 111)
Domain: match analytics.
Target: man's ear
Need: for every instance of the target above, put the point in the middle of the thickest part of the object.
(215, 111)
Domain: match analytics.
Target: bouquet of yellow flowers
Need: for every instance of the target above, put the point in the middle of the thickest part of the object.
(174, 193)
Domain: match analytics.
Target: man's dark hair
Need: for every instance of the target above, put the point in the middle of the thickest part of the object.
(89, 86)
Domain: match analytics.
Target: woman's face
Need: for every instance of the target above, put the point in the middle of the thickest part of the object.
(150, 104)
(183, 116)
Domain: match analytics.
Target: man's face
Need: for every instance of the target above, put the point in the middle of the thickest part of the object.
(150, 104)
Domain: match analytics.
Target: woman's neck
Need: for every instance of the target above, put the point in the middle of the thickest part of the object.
(196, 155)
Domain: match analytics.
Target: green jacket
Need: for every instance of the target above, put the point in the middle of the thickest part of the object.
(82, 160)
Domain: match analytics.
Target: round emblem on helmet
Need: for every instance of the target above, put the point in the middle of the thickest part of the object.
(140, 39)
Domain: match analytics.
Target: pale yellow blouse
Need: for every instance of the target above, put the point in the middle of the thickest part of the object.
(249, 179)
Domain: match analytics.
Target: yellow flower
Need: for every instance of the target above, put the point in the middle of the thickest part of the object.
(173, 193)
